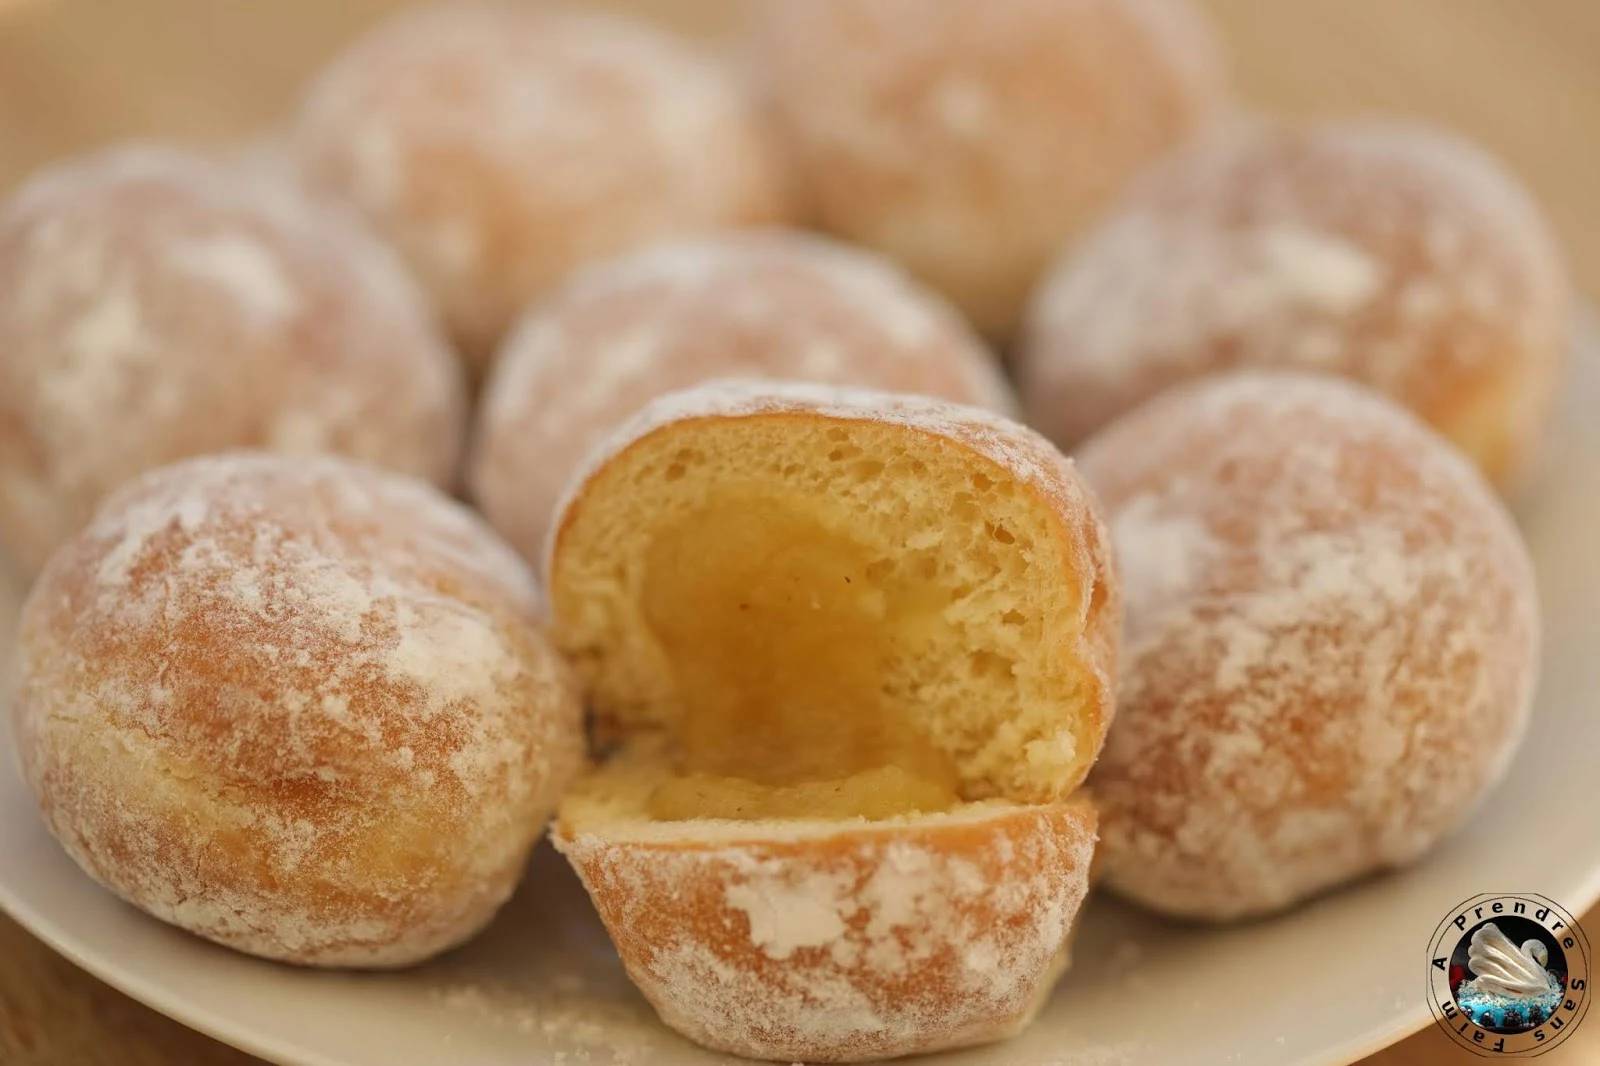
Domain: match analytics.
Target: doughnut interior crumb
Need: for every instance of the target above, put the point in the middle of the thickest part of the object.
(780, 635)
(847, 654)
(816, 618)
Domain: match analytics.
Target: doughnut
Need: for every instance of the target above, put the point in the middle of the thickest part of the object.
(969, 140)
(156, 304)
(761, 304)
(296, 705)
(1331, 642)
(498, 146)
(848, 655)
(1381, 250)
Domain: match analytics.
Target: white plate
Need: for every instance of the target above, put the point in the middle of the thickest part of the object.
(1327, 984)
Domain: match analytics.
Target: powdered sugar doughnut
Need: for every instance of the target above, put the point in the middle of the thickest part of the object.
(968, 140)
(849, 655)
(1331, 642)
(770, 304)
(500, 145)
(155, 305)
(297, 706)
(822, 942)
(1384, 251)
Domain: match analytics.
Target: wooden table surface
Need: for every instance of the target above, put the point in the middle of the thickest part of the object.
(1521, 76)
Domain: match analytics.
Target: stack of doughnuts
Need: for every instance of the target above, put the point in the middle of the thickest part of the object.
(837, 677)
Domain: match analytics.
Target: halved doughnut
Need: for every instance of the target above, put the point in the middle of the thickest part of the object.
(848, 654)
(816, 939)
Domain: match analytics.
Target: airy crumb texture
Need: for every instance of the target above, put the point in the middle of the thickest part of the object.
(777, 304)
(1385, 251)
(1331, 642)
(969, 140)
(156, 304)
(849, 651)
(499, 145)
(834, 941)
(300, 707)
(1011, 677)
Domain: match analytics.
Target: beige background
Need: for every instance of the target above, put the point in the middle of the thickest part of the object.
(1521, 76)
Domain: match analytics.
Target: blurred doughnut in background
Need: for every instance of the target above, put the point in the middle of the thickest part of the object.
(1383, 250)
(157, 304)
(969, 140)
(774, 303)
(499, 145)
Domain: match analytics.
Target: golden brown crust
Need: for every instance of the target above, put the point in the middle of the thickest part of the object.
(1331, 645)
(298, 707)
(849, 942)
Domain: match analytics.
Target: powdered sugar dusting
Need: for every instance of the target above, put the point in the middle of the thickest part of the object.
(1387, 252)
(766, 304)
(1159, 554)
(600, 1032)
(1330, 647)
(500, 146)
(106, 331)
(243, 269)
(110, 339)
(887, 939)
(156, 304)
(252, 666)
(1254, 281)
(969, 141)
(784, 916)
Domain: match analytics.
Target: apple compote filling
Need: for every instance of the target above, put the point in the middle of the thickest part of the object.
(781, 635)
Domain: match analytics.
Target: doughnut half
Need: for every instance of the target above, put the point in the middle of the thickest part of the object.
(849, 654)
